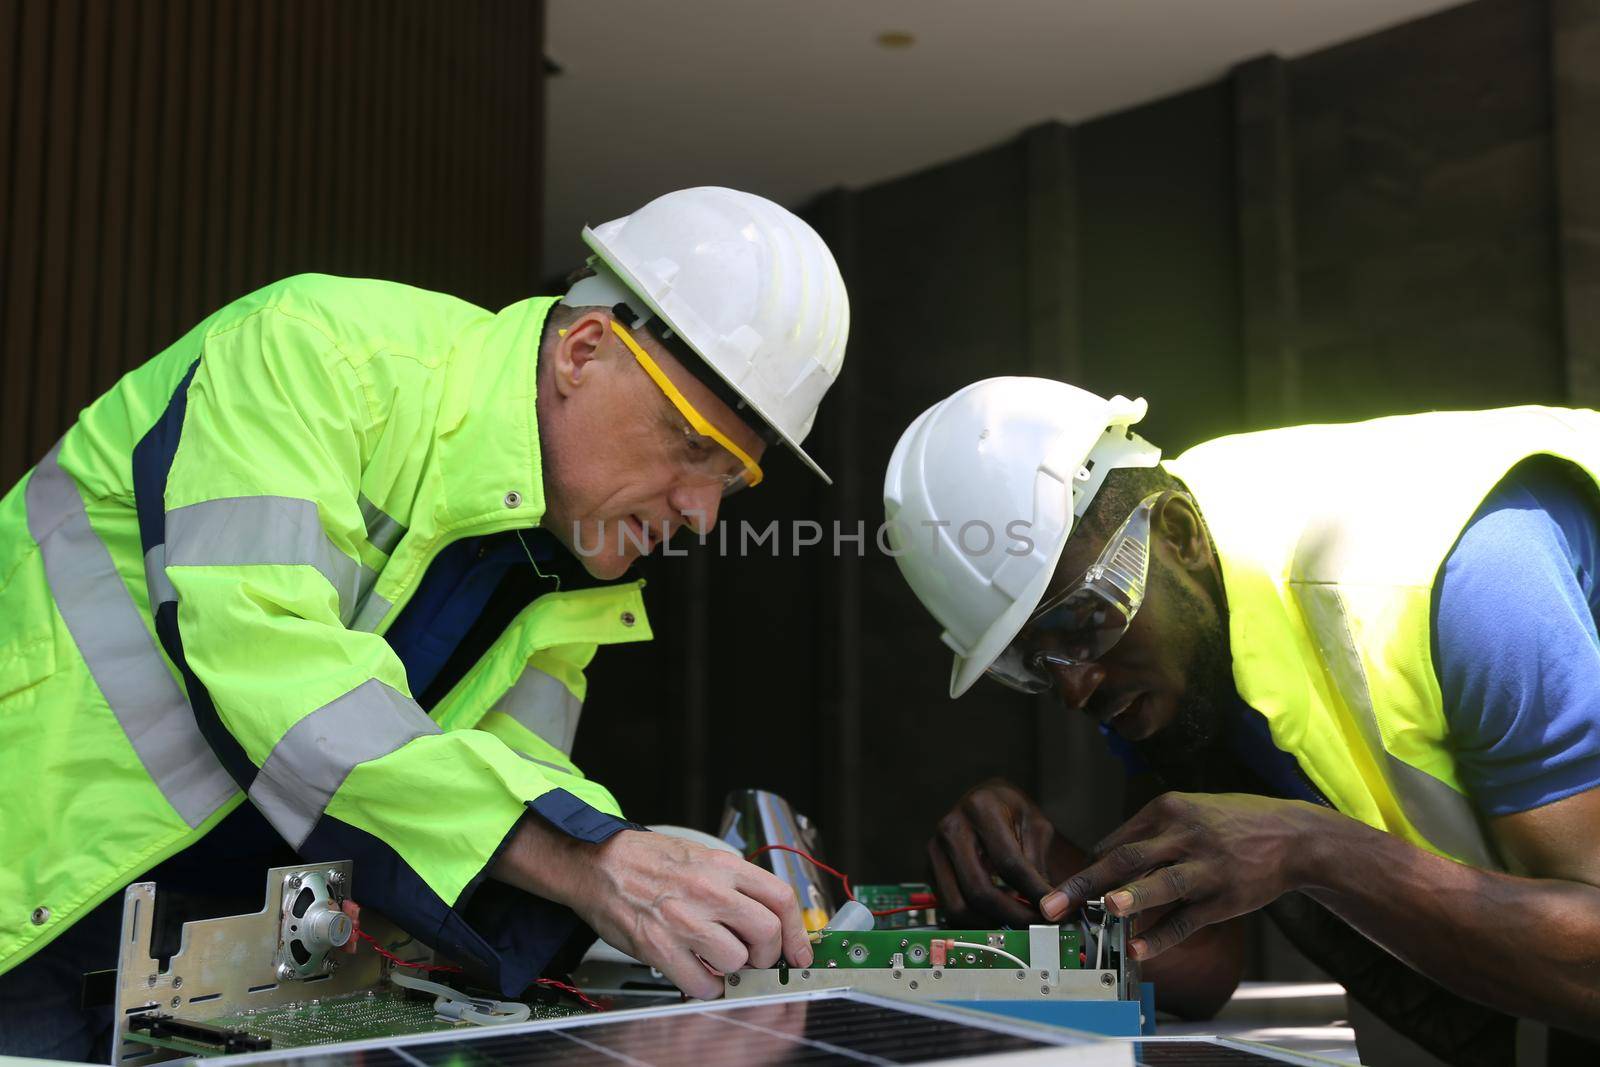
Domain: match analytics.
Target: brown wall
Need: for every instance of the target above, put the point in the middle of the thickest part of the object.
(159, 158)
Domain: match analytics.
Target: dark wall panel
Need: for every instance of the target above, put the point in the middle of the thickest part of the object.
(158, 159)
(1425, 216)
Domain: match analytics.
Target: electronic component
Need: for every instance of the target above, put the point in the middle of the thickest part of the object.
(283, 976)
(1078, 962)
(900, 905)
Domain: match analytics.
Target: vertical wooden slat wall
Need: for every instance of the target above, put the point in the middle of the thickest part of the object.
(159, 158)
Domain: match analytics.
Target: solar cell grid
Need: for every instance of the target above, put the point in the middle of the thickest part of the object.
(813, 1030)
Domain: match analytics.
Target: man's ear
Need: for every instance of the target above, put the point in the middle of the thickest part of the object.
(1177, 522)
(576, 348)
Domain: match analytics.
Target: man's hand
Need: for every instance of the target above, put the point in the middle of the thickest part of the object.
(668, 901)
(1203, 858)
(996, 829)
(695, 913)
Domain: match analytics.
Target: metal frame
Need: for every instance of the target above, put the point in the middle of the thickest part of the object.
(232, 964)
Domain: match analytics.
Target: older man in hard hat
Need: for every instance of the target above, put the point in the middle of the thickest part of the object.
(235, 596)
(1365, 653)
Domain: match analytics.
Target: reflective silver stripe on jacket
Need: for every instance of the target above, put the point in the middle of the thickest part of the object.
(119, 650)
(545, 706)
(311, 761)
(1442, 815)
(264, 530)
(383, 532)
(371, 612)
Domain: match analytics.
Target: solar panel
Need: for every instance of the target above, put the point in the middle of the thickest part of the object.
(836, 1027)
(1213, 1052)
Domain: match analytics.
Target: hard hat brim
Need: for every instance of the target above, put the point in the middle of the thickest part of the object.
(639, 289)
(966, 670)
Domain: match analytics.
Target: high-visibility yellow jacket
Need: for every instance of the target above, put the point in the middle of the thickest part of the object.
(193, 587)
(1330, 540)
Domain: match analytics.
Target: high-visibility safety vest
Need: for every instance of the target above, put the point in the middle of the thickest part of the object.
(1330, 540)
(193, 585)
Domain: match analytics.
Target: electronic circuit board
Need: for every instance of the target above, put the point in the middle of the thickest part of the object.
(951, 949)
(1086, 960)
(384, 1012)
(900, 905)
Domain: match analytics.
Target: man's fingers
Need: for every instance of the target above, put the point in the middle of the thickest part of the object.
(948, 890)
(1164, 885)
(1006, 850)
(775, 895)
(719, 947)
(1121, 865)
(1144, 823)
(976, 877)
(754, 924)
(1172, 930)
(684, 969)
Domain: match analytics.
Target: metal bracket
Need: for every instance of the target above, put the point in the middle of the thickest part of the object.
(230, 965)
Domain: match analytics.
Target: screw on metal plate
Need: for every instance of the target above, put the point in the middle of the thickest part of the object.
(1107, 980)
(733, 979)
(293, 881)
(805, 976)
(913, 983)
(152, 980)
(1045, 975)
(938, 974)
(896, 976)
(1044, 989)
(1021, 975)
(176, 1001)
(285, 971)
(177, 982)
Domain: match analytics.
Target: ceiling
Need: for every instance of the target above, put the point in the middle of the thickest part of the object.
(787, 98)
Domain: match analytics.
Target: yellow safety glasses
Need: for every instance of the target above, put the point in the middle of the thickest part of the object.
(732, 483)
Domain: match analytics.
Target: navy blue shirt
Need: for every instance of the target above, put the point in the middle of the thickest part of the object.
(1515, 647)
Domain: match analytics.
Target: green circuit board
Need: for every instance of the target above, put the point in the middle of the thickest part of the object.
(878, 948)
(386, 1012)
(898, 900)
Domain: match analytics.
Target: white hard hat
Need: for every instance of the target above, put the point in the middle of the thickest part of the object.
(981, 493)
(745, 283)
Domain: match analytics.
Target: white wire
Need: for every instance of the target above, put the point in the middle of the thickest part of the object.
(990, 948)
(453, 1004)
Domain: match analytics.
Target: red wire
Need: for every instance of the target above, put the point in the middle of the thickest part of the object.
(549, 982)
(392, 958)
(849, 893)
(573, 991)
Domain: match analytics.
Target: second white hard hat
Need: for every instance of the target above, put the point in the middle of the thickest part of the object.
(982, 492)
(745, 283)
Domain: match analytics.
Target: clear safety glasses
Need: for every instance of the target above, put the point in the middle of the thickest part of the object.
(731, 483)
(1082, 622)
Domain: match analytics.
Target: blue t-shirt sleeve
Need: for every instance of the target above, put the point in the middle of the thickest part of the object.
(1515, 644)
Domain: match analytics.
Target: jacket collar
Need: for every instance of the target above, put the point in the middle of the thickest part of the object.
(486, 459)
